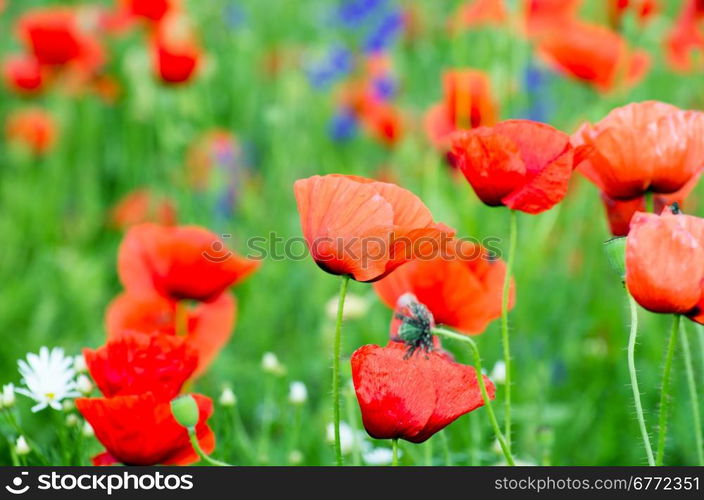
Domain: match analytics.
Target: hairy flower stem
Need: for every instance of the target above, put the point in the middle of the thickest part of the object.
(394, 456)
(336, 368)
(485, 395)
(694, 398)
(634, 380)
(506, 294)
(203, 456)
(665, 390)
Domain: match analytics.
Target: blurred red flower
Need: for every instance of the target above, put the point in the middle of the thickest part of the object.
(140, 206)
(133, 363)
(33, 128)
(208, 325)
(665, 263)
(413, 397)
(479, 13)
(462, 289)
(593, 54)
(686, 36)
(643, 9)
(23, 74)
(363, 228)
(642, 147)
(520, 164)
(140, 430)
(151, 10)
(467, 103)
(542, 15)
(175, 51)
(179, 263)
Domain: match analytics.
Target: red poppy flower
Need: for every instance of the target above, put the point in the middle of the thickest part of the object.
(382, 121)
(479, 13)
(140, 430)
(23, 74)
(620, 212)
(412, 398)
(686, 37)
(665, 263)
(176, 54)
(33, 128)
(141, 206)
(134, 363)
(521, 164)
(467, 103)
(593, 54)
(641, 147)
(55, 38)
(643, 9)
(363, 228)
(462, 289)
(180, 262)
(151, 10)
(209, 325)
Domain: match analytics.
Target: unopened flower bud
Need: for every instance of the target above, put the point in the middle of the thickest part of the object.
(227, 397)
(271, 364)
(295, 457)
(79, 364)
(498, 373)
(185, 411)
(297, 394)
(71, 420)
(87, 430)
(21, 446)
(616, 253)
(84, 385)
(8, 395)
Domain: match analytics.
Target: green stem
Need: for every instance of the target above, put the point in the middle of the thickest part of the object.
(203, 456)
(336, 368)
(394, 447)
(649, 202)
(485, 395)
(665, 391)
(694, 398)
(634, 380)
(428, 452)
(513, 232)
(446, 449)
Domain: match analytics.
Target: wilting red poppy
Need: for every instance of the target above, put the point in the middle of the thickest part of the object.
(133, 363)
(33, 128)
(665, 263)
(479, 13)
(642, 147)
(208, 325)
(175, 52)
(23, 74)
(141, 206)
(180, 262)
(54, 36)
(363, 228)
(151, 10)
(593, 54)
(467, 103)
(686, 36)
(462, 288)
(520, 164)
(620, 212)
(140, 430)
(412, 397)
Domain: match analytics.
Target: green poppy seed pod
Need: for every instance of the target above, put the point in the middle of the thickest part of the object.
(185, 410)
(616, 253)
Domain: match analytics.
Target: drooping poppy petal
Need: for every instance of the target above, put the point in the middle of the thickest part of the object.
(665, 262)
(641, 147)
(520, 164)
(462, 289)
(180, 263)
(133, 363)
(140, 430)
(209, 325)
(361, 227)
(412, 397)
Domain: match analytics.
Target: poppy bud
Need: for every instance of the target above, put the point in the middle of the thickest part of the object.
(616, 253)
(185, 411)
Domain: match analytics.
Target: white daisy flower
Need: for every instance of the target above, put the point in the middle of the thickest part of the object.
(48, 377)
